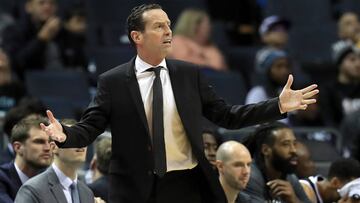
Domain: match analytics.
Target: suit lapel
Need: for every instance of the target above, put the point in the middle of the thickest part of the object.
(135, 93)
(55, 186)
(84, 194)
(15, 176)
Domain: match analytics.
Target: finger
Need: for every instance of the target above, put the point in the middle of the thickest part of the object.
(308, 88)
(43, 126)
(310, 94)
(289, 82)
(308, 101)
(51, 117)
(303, 107)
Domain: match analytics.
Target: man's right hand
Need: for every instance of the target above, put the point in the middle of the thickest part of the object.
(50, 29)
(54, 129)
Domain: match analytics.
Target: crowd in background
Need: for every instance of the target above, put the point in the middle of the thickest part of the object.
(245, 38)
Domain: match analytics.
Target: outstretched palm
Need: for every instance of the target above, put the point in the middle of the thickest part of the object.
(54, 129)
(291, 100)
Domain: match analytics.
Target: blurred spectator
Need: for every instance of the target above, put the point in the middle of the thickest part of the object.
(342, 97)
(233, 161)
(320, 189)
(241, 19)
(210, 146)
(310, 117)
(100, 167)
(350, 193)
(37, 41)
(275, 68)
(305, 166)
(349, 28)
(274, 32)
(191, 41)
(350, 131)
(275, 159)
(27, 106)
(11, 91)
(34, 153)
(62, 175)
(5, 20)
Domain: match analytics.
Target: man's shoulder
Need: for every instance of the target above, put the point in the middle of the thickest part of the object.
(39, 181)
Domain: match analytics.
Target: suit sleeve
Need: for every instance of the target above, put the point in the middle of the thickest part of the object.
(236, 116)
(93, 122)
(27, 194)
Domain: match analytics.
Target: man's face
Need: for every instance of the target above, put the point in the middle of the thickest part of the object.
(37, 150)
(210, 147)
(349, 26)
(71, 155)
(280, 71)
(350, 66)
(155, 40)
(236, 171)
(283, 153)
(41, 10)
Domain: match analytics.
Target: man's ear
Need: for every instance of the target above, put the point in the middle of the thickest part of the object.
(265, 149)
(220, 166)
(18, 147)
(136, 36)
(335, 183)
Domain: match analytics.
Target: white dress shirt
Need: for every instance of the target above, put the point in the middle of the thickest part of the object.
(23, 177)
(179, 154)
(65, 182)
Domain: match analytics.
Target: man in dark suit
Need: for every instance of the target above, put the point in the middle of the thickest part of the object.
(33, 154)
(59, 183)
(155, 116)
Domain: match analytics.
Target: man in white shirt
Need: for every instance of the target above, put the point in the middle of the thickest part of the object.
(33, 154)
(59, 183)
(155, 108)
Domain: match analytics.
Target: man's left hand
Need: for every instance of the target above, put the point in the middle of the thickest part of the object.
(291, 100)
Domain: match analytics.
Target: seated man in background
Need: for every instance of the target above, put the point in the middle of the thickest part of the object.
(350, 193)
(272, 173)
(100, 168)
(59, 182)
(306, 166)
(233, 161)
(320, 189)
(210, 146)
(34, 153)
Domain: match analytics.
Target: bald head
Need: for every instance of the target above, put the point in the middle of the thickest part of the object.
(228, 149)
(233, 162)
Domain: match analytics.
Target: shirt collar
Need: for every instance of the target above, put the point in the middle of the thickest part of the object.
(141, 66)
(64, 180)
(23, 177)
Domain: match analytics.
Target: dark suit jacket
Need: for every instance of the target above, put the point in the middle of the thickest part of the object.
(9, 183)
(46, 188)
(118, 103)
(100, 187)
(6, 156)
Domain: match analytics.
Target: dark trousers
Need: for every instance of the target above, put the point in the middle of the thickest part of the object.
(177, 187)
